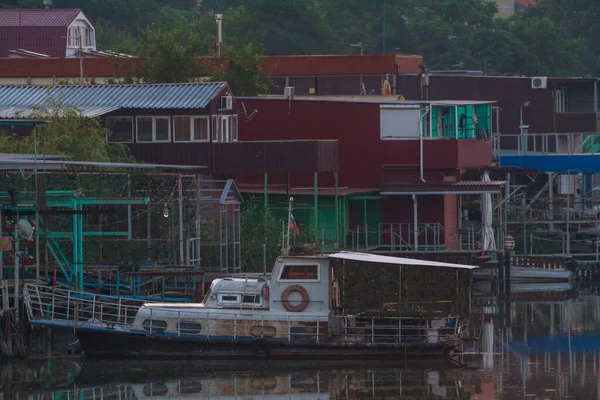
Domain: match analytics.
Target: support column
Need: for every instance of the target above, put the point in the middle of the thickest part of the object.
(416, 223)
(551, 200)
(197, 252)
(337, 209)
(181, 238)
(266, 191)
(316, 204)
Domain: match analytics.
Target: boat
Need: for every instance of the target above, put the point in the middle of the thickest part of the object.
(318, 306)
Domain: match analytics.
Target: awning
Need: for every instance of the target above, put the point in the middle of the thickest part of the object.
(464, 187)
(374, 258)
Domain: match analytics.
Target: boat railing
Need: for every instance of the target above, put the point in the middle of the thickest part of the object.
(59, 307)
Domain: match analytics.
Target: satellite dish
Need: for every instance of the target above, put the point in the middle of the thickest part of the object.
(24, 229)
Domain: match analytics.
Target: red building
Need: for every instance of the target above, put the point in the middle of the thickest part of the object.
(401, 164)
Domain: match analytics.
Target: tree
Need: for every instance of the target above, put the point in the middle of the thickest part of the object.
(242, 71)
(259, 227)
(67, 133)
(284, 26)
(171, 55)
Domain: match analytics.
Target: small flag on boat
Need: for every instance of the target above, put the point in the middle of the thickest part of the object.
(293, 225)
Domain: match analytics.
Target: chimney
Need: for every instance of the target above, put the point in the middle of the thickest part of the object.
(219, 19)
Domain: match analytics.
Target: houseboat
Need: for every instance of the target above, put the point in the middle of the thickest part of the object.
(337, 305)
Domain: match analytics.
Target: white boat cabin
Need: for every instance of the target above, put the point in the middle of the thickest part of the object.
(298, 298)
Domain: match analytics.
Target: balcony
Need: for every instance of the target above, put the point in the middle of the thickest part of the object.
(550, 152)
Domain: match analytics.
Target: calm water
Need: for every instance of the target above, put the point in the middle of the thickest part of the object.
(551, 350)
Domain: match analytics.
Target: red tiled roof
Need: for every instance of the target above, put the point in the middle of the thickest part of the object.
(14, 17)
(38, 30)
(524, 4)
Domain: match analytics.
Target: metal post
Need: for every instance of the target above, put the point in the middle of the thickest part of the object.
(17, 270)
(266, 192)
(287, 246)
(507, 289)
(568, 244)
(181, 253)
(198, 221)
(316, 205)
(550, 200)
(129, 228)
(524, 214)
(265, 258)
(416, 223)
(337, 209)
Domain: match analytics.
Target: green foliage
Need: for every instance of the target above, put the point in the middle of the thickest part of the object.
(171, 55)
(557, 37)
(242, 71)
(259, 227)
(69, 133)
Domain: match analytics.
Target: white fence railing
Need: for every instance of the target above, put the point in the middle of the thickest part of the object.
(77, 310)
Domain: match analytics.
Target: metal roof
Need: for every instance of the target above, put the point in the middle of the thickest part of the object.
(372, 99)
(95, 100)
(374, 258)
(38, 17)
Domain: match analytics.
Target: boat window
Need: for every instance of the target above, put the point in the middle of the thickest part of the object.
(155, 325)
(155, 389)
(251, 299)
(229, 298)
(190, 387)
(189, 327)
(299, 273)
(260, 331)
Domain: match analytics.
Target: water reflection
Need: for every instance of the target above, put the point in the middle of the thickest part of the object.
(549, 348)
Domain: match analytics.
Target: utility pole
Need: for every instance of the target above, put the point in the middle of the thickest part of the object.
(361, 46)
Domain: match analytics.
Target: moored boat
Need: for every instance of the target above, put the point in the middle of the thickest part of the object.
(309, 306)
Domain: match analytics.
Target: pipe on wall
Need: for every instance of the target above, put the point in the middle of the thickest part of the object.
(421, 161)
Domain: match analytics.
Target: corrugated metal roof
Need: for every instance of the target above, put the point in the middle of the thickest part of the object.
(38, 17)
(94, 100)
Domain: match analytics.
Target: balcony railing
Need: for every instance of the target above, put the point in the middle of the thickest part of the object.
(546, 143)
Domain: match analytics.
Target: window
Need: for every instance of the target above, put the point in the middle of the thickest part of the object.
(224, 128)
(234, 128)
(154, 325)
(189, 328)
(153, 129)
(400, 123)
(191, 129)
(121, 129)
(155, 389)
(299, 273)
(144, 129)
(251, 299)
(229, 298)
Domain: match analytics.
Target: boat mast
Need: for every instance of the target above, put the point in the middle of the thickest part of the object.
(287, 246)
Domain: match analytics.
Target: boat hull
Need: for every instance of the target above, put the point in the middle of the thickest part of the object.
(99, 343)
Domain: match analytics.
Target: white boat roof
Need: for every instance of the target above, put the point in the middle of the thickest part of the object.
(375, 258)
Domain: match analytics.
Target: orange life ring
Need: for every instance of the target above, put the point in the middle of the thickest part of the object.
(265, 291)
(286, 293)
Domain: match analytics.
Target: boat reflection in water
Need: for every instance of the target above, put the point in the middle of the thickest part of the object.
(347, 383)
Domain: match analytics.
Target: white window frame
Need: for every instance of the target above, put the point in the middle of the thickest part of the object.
(154, 118)
(221, 301)
(234, 123)
(192, 128)
(132, 128)
(279, 279)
